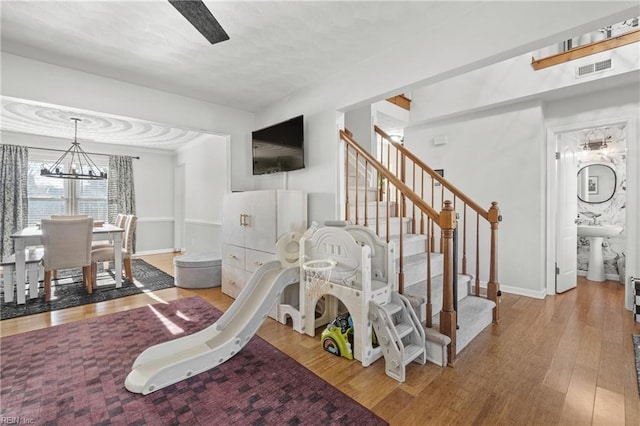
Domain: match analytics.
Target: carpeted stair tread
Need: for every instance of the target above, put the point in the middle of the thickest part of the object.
(474, 315)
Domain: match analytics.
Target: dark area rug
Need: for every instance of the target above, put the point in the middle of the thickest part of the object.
(74, 374)
(68, 290)
(636, 349)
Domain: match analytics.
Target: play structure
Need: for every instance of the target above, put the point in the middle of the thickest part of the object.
(359, 274)
(341, 265)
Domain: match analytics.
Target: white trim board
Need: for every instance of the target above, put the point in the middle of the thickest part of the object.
(155, 219)
(151, 252)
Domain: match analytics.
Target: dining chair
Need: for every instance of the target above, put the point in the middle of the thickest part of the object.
(67, 244)
(120, 222)
(68, 217)
(107, 253)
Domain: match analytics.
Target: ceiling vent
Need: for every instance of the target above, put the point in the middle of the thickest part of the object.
(593, 68)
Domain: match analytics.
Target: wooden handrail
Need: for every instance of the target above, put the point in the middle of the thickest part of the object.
(491, 216)
(412, 196)
(445, 220)
(435, 175)
(586, 50)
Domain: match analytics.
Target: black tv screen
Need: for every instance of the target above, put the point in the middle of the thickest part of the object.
(279, 148)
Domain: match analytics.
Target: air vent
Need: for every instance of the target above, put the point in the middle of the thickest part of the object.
(594, 68)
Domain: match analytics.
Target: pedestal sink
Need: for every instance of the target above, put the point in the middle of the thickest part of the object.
(596, 233)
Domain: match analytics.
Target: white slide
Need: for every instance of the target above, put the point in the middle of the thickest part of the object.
(170, 362)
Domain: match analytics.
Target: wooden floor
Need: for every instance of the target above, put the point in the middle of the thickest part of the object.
(563, 360)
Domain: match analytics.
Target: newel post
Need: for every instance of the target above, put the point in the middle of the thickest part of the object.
(448, 316)
(493, 286)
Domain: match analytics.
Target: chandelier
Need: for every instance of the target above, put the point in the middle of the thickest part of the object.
(74, 163)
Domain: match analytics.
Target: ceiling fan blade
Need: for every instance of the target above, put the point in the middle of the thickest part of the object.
(202, 19)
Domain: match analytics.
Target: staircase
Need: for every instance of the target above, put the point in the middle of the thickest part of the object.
(399, 333)
(390, 210)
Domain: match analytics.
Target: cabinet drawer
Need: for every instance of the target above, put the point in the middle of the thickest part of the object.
(233, 280)
(255, 259)
(233, 255)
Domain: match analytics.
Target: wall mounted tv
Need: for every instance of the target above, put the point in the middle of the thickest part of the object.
(279, 148)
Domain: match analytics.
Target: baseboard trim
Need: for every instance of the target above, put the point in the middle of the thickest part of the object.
(608, 277)
(159, 251)
(536, 294)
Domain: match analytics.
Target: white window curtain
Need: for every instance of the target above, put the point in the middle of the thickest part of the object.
(14, 163)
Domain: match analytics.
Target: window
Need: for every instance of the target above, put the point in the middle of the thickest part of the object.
(47, 196)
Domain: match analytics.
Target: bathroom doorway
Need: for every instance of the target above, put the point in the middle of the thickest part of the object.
(572, 149)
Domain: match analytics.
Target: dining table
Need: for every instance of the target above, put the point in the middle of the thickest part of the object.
(32, 236)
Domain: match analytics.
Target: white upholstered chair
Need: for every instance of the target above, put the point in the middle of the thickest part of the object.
(120, 222)
(68, 217)
(67, 244)
(106, 253)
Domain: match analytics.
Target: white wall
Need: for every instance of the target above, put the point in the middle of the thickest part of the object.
(498, 156)
(360, 122)
(206, 166)
(153, 177)
(38, 81)
(424, 59)
(515, 80)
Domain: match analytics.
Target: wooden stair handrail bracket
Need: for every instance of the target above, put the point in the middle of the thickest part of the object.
(586, 50)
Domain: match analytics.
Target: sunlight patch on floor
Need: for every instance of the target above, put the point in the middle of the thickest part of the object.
(169, 325)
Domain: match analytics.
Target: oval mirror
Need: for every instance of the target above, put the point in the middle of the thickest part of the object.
(596, 183)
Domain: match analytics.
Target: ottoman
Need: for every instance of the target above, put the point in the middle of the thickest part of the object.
(198, 270)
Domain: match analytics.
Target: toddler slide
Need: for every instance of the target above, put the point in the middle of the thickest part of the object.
(170, 362)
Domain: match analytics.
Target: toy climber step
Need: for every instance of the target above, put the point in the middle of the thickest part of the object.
(399, 333)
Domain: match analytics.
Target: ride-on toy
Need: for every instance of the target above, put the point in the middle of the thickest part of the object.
(335, 338)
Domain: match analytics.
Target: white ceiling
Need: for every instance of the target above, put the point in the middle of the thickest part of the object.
(40, 119)
(267, 57)
(275, 49)
(149, 43)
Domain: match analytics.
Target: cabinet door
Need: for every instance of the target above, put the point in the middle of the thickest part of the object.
(260, 228)
(233, 207)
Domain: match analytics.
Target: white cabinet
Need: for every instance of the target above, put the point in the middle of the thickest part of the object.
(252, 222)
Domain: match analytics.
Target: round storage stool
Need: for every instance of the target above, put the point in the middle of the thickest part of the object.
(201, 270)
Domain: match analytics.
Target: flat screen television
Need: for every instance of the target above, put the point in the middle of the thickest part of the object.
(279, 148)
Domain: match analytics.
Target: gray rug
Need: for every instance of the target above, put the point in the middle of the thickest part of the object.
(636, 349)
(69, 291)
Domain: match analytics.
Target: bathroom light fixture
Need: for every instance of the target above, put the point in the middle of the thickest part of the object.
(596, 140)
(74, 163)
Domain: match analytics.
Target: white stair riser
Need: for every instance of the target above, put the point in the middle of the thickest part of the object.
(394, 226)
(415, 267)
(370, 210)
(436, 294)
(416, 271)
(413, 244)
(362, 182)
(372, 194)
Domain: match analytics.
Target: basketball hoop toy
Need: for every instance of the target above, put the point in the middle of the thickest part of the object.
(317, 276)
